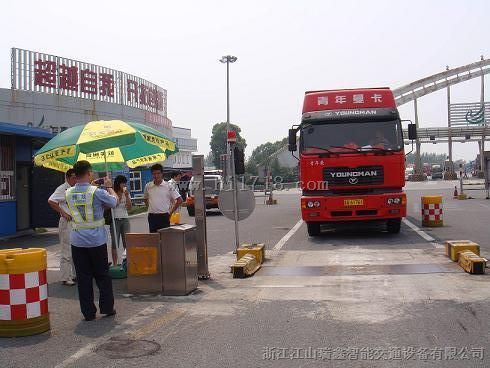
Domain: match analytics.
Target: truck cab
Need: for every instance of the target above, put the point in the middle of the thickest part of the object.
(351, 158)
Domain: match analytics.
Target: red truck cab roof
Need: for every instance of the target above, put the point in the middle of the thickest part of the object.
(360, 98)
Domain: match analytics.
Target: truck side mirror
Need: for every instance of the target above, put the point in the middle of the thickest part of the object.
(292, 140)
(412, 131)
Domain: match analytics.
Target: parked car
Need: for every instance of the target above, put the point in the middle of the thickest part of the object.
(437, 172)
(213, 184)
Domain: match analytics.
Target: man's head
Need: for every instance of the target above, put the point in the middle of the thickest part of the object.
(70, 177)
(176, 175)
(83, 171)
(157, 173)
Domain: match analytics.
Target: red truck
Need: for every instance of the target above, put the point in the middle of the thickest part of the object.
(351, 158)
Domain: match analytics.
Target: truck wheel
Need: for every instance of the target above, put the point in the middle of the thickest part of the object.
(313, 228)
(393, 225)
(191, 211)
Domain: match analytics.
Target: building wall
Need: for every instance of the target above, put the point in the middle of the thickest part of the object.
(187, 145)
(54, 111)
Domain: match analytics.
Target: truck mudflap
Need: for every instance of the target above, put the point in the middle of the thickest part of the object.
(354, 208)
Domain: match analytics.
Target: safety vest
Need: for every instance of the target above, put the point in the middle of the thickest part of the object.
(81, 209)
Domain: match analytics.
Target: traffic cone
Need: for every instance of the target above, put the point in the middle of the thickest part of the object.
(455, 192)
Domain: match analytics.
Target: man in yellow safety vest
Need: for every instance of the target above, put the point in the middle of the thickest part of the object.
(88, 240)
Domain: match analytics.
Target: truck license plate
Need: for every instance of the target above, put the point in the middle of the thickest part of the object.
(353, 202)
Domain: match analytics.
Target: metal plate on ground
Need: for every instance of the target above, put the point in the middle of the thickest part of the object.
(395, 269)
(245, 203)
(127, 348)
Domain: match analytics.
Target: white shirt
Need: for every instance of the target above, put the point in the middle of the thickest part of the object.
(174, 184)
(58, 196)
(160, 197)
(121, 211)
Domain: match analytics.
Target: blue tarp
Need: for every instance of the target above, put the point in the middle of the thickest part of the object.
(24, 130)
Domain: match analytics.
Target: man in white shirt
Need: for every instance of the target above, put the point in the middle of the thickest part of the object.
(57, 201)
(162, 200)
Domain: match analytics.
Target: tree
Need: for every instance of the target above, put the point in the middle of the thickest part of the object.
(209, 160)
(218, 141)
(429, 157)
(261, 156)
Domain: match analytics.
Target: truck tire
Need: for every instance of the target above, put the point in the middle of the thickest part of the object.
(191, 211)
(313, 228)
(393, 226)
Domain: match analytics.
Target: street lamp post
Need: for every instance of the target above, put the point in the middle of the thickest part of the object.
(228, 59)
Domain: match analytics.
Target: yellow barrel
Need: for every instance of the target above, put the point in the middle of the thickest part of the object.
(23, 292)
(432, 211)
(175, 218)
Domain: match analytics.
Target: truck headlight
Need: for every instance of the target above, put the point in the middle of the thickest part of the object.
(310, 204)
(316, 204)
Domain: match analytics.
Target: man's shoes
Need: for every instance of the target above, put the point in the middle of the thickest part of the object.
(89, 318)
(113, 313)
(69, 282)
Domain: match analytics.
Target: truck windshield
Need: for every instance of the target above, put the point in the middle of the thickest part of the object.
(345, 137)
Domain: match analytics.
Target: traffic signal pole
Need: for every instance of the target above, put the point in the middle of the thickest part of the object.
(235, 194)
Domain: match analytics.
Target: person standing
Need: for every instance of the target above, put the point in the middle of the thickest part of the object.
(162, 200)
(121, 219)
(89, 240)
(175, 180)
(57, 201)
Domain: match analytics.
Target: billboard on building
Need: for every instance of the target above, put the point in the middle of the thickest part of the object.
(476, 113)
(39, 72)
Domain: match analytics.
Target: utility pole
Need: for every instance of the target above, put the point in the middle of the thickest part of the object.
(227, 60)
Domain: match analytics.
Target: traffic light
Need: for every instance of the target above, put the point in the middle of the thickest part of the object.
(239, 158)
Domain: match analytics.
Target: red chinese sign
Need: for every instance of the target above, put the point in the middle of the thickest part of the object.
(348, 99)
(52, 74)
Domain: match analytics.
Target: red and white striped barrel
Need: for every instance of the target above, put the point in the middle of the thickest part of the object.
(23, 292)
(432, 211)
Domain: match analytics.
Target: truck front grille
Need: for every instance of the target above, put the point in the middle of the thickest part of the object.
(347, 176)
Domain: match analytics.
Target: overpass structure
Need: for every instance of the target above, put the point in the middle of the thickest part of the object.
(462, 133)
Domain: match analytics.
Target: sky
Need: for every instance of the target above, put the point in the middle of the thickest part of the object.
(284, 48)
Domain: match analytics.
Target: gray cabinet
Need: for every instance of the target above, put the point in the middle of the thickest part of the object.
(179, 259)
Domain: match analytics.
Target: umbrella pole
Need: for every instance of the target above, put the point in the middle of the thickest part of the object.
(112, 210)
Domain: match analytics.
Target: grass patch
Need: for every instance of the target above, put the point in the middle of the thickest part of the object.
(137, 209)
(40, 230)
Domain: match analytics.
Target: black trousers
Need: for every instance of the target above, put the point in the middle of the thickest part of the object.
(91, 263)
(158, 221)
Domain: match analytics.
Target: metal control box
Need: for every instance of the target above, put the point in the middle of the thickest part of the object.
(144, 263)
(179, 259)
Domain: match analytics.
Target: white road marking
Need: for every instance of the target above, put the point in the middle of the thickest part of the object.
(285, 238)
(438, 245)
(422, 233)
(484, 205)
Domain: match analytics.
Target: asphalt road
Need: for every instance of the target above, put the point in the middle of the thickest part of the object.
(352, 298)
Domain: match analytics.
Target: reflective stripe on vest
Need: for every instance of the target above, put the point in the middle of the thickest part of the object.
(78, 201)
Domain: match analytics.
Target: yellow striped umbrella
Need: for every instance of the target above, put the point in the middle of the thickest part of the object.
(107, 145)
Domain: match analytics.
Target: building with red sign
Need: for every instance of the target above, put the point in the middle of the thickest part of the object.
(49, 94)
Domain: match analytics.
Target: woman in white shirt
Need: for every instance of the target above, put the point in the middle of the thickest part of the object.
(120, 214)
